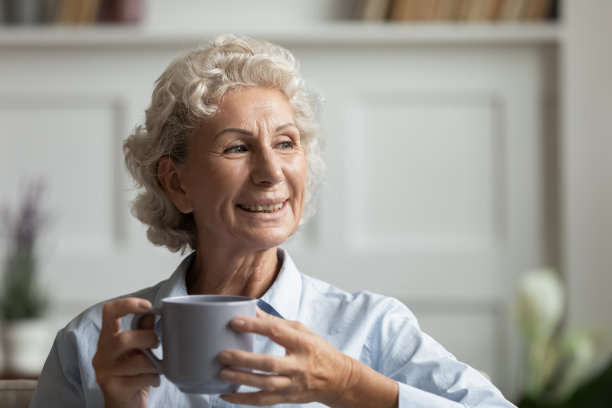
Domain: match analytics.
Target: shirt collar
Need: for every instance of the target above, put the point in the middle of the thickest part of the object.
(175, 285)
(286, 292)
(283, 296)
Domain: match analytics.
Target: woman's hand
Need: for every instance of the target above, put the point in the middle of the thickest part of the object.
(124, 374)
(311, 370)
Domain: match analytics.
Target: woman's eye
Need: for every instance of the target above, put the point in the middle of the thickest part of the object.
(236, 149)
(288, 144)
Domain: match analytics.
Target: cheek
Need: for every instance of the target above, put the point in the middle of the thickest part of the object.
(215, 184)
(225, 173)
(299, 171)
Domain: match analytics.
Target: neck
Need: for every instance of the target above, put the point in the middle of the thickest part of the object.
(215, 272)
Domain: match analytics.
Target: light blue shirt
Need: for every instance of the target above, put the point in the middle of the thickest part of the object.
(378, 331)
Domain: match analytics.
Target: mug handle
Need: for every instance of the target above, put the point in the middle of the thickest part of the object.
(157, 362)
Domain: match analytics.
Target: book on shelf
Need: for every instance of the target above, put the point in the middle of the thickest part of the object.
(537, 10)
(121, 11)
(89, 11)
(67, 11)
(479, 10)
(447, 10)
(374, 10)
(77, 12)
(413, 10)
(490, 10)
(511, 10)
(399, 10)
(458, 10)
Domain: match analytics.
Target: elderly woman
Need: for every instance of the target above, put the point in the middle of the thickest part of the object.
(228, 160)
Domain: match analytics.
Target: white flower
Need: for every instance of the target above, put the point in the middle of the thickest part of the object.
(579, 352)
(541, 303)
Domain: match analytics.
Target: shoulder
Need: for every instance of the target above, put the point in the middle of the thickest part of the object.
(385, 304)
(89, 321)
(69, 362)
(367, 308)
(67, 378)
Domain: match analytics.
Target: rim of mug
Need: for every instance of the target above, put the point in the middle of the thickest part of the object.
(212, 299)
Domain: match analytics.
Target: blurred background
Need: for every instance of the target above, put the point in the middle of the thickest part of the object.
(467, 143)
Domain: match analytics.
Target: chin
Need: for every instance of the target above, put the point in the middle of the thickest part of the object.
(273, 240)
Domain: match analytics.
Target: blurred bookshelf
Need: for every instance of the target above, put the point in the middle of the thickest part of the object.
(70, 12)
(122, 23)
(458, 11)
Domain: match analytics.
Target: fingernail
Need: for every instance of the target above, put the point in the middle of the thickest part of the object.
(227, 375)
(238, 323)
(144, 305)
(225, 357)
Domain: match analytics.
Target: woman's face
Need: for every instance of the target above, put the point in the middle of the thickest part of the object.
(245, 178)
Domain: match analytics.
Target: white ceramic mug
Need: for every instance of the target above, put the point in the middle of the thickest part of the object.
(195, 329)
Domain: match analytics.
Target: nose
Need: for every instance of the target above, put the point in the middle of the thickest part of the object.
(266, 168)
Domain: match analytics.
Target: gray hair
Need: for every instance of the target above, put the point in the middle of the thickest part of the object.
(189, 91)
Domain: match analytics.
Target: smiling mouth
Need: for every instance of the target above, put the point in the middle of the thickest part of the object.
(267, 208)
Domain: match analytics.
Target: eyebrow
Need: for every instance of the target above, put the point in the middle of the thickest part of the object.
(248, 133)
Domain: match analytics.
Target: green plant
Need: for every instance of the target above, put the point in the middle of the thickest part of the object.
(21, 298)
(560, 365)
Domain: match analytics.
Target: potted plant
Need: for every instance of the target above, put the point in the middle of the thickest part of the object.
(22, 304)
(562, 368)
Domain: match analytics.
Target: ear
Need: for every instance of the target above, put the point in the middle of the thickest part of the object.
(170, 178)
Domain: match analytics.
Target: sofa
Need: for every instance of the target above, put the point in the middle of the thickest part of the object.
(16, 393)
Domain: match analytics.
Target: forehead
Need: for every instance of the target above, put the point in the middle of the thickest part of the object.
(253, 104)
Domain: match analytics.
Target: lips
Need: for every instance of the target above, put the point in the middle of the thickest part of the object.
(266, 208)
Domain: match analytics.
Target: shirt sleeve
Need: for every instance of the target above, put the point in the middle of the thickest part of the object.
(411, 397)
(59, 384)
(427, 374)
(415, 398)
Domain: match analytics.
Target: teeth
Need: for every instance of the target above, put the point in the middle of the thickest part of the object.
(263, 208)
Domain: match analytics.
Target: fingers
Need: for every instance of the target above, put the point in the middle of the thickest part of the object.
(131, 340)
(122, 371)
(311, 369)
(261, 398)
(120, 355)
(113, 311)
(121, 391)
(274, 388)
(141, 381)
(260, 314)
(265, 382)
(264, 315)
(283, 332)
(134, 364)
(147, 322)
(253, 361)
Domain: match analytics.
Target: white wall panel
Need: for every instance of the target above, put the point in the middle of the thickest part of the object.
(69, 144)
(428, 172)
(435, 183)
(587, 164)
